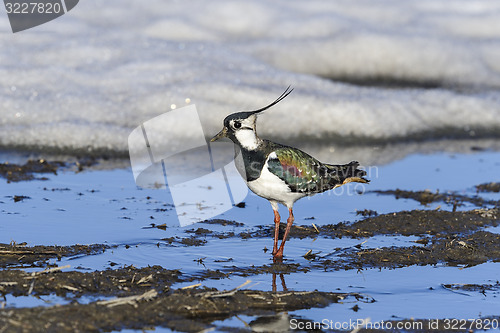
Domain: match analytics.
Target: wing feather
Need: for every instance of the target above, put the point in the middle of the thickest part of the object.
(303, 173)
(299, 170)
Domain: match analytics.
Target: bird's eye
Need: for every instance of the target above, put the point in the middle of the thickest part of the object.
(237, 124)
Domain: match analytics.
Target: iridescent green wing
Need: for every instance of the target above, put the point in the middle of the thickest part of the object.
(299, 170)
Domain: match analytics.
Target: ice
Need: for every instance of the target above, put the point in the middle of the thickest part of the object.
(86, 80)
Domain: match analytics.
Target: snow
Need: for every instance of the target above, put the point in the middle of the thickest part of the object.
(362, 71)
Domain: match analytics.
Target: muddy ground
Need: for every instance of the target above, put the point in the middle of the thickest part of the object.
(129, 297)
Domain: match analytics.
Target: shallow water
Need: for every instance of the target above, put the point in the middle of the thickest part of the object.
(106, 207)
(45, 300)
(400, 293)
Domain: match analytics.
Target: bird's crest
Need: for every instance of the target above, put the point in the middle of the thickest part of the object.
(287, 92)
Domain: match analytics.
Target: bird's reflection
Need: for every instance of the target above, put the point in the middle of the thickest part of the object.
(279, 322)
(283, 283)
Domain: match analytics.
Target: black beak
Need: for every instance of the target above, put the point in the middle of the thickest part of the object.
(221, 134)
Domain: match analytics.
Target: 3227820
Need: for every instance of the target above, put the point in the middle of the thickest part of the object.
(33, 8)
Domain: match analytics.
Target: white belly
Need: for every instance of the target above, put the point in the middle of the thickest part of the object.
(271, 187)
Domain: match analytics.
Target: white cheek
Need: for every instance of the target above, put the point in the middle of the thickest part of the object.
(247, 139)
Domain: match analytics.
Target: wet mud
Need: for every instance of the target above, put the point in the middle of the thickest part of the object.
(29, 170)
(488, 187)
(453, 199)
(405, 223)
(19, 255)
(41, 169)
(466, 251)
(481, 288)
(189, 310)
(73, 284)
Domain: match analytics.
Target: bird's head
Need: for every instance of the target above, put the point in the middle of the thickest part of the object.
(240, 126)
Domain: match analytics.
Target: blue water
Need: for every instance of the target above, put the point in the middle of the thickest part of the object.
(107, 207)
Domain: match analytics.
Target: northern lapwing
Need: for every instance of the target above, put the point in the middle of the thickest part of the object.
(279, 173)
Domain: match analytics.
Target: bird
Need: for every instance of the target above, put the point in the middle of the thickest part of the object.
(279, 173)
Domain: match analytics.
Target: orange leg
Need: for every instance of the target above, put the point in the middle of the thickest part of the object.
(276, 230)
(289, 223)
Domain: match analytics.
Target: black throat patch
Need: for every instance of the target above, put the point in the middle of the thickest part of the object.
(253, 161)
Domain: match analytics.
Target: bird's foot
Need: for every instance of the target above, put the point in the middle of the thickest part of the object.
(278, 255)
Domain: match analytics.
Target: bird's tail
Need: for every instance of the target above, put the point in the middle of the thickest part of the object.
(347, 173)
